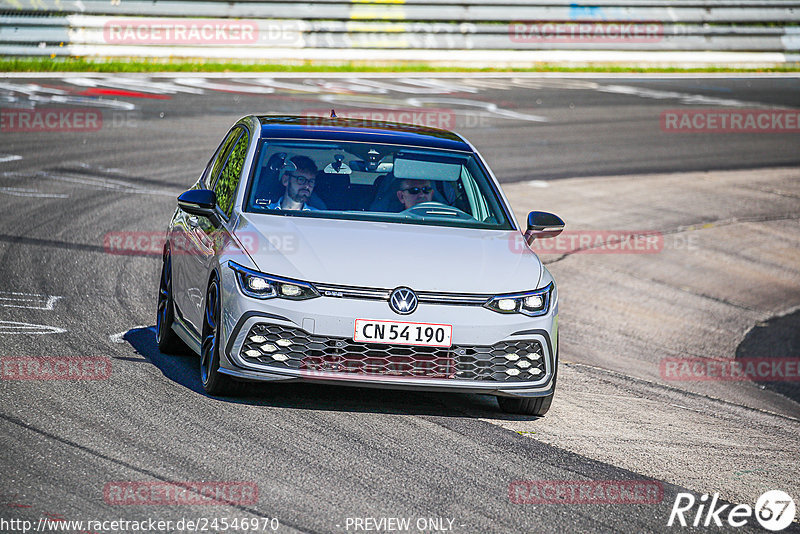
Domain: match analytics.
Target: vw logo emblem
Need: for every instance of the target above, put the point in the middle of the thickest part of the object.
(403, 301)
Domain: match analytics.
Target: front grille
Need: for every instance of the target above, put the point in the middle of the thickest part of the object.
(281, 347)
(425, 297)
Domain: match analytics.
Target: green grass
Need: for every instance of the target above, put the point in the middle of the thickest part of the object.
(139, 65)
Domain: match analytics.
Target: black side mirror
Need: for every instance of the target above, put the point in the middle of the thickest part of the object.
(200, 202)
(542, 224)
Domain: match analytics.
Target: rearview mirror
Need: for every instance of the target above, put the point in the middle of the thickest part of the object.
(338, 166)
(541, 225)
(200, 202)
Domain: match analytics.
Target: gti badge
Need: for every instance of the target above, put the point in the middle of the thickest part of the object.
(403, 301)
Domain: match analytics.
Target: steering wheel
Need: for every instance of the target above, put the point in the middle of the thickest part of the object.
(436, 209)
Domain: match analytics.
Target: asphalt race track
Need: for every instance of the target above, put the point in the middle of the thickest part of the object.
(723, 283)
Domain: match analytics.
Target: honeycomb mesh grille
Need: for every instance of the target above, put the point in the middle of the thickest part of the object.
(284, 348)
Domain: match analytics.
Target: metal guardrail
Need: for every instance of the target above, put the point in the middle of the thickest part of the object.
(264, 29)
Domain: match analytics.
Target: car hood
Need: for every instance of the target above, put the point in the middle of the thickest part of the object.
(388, 255)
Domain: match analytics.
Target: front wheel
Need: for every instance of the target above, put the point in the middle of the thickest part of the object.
(214, 382)
(532, 406)
(168, 340)
(528, 406)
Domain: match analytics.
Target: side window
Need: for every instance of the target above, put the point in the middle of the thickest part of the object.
(225, 188)
(219, 158)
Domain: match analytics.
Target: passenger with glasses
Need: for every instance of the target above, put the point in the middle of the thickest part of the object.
(413, 192)
(299, 184)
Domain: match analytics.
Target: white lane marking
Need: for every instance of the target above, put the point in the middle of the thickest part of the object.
(384, 103)
(15, 328)
(415, 83)
(35, 95)
(406, 85)
(537, 183)
(58, 96)
(313, 86)
(303, 88)
(30, 89)
(641, 92)
(32, 193)
(489, 107)
(83, 101)
(94, 183)
(484, 83)
(139, 85)
(31, 301)
(370, 102)
(686, 98)
(119, 337)
(104, 183)
(441, 85)
(224, 87)
(99, 168)
(9, 157)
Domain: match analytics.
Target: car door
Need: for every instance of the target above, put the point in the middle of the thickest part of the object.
(184, 239)
(206, 238)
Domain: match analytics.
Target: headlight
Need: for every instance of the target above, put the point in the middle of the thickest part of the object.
(266, 286)
(531, 303)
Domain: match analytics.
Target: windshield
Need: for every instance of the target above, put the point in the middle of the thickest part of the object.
(368, 181)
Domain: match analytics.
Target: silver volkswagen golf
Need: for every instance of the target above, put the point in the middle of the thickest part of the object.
(358, 253)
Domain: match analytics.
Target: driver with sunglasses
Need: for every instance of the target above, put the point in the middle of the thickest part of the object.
(413, 192)
(299, 185)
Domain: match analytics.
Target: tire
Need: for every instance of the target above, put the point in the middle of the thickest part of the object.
(168, 340)
(528, 406)
(214, 382)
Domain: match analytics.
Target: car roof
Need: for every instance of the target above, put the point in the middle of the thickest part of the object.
(341, 129)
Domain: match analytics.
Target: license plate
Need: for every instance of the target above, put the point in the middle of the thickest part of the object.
(400, 333)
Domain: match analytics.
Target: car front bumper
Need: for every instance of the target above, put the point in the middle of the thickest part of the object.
(509, 355)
